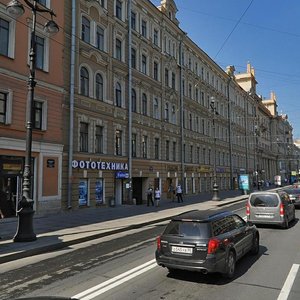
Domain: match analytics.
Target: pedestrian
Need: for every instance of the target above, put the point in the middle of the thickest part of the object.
(179, 193)
(150, 196)
(157, 196)
(172, 192)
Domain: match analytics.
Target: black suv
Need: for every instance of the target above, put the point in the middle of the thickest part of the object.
(205, 242)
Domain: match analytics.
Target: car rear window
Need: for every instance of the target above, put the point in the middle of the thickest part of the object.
(188, 229)
(264, 200)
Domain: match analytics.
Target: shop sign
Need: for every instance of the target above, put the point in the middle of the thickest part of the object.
(122, 175)
(99, 165)
(204, 169)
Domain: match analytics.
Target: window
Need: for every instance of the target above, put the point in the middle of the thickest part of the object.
(173, 114)
(144, 28)
(119, 9)
(156, 148)
(99, 139)
(144, 146)
(133, 145)
(37, 115)
(4, 37)
(144, 104)
(102, 3)
(118, 142)
(173, 80)
(118, 49)
(100, 38)
(118, 95)
(133, 58)
(155, 70)
(3, 107)
(190, 91)
(43, 2)
(99, 87)
(84, 135)
(167, 112)
(144, 64)
(191, 121)
(167, 150)
(40, 52)
(166, 77)
(133, 20)
(155, 37)
(174, 151)
(191, 153)
(133, 100)
(155, 109)
(85, 30)
(84, 82)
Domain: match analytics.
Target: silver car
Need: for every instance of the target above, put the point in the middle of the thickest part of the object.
(270, 207)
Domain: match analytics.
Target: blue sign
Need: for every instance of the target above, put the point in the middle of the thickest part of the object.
(122, 175)
(244, 182)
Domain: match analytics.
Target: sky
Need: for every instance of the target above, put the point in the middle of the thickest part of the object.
(265, 33)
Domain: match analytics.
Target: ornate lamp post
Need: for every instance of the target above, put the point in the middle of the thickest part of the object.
(15, 9)
(215, 185)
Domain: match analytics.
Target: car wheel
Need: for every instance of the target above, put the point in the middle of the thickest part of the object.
(285, 223)
(230, 265)
(255, 247)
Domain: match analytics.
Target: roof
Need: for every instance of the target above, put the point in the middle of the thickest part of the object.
(201, 215)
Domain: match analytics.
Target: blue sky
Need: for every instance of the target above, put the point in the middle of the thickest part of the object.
(265, 33)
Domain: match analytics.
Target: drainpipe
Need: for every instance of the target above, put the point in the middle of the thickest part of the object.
(72, 84)
(129, 104)
(181, 116)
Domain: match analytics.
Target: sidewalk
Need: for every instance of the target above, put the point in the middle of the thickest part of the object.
(71, 227)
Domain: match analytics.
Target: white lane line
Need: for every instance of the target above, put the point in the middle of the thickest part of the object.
(285, 291)
(115, 280)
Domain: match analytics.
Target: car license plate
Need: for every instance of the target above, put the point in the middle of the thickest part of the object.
(264, 216)
(186, 250)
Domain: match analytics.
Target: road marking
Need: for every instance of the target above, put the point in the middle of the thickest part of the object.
(115, 281)
(285, 291)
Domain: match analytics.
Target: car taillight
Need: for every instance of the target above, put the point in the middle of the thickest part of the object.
(158, 242)
(213, 246)
(281, 212)
(247, 209)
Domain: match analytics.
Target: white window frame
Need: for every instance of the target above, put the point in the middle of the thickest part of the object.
(44, 112)
(8, 114)
(39, 32)
(12, 32)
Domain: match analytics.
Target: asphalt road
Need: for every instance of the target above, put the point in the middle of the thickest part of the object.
(123, 267)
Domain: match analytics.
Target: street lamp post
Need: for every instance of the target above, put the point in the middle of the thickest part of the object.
(215, 185)
(25, 232)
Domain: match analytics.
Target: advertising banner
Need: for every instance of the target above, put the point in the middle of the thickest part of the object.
(244, 182)
(99, 192)
(83, 192)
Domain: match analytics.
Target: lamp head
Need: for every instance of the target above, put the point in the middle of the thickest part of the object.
(51, 27)
(15, 9)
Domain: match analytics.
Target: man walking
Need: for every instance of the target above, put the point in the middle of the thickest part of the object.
(157, 196)
(150, 196)
(179, 193)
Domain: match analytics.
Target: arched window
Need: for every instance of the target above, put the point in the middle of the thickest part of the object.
(85, 30)
(84, 81)
(133, 100)
(167, 112)
(118, 95)
(155, 109)
(99, 87)
(144, 104)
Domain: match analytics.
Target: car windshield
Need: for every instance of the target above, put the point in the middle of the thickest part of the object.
(187, 229)
(265, 200)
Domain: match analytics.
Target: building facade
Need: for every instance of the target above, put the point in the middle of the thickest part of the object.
(47, 145)
(124, 100)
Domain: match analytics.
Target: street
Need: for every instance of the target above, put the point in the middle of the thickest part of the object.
(122, 266)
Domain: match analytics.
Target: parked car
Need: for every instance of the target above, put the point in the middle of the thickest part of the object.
(206, 242)
(270, 207)
(296, 184)
(294, 194)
